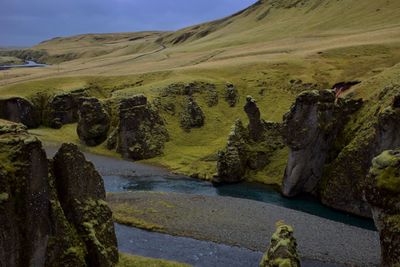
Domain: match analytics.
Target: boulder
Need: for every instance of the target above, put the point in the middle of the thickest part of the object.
(282, 251)
(94, 122)
(141, 133)
(53, 213)
(382, 192)
(231, 95)
(19, 110)
(192, 116)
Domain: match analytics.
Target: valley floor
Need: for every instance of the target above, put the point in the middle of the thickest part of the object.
(245, 223)
(232, 221)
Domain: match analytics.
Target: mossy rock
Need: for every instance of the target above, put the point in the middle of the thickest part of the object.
(282, 251)
(382, 188)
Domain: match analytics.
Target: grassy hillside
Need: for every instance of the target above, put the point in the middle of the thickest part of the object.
(265, 50)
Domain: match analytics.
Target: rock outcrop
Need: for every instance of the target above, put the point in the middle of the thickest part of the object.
(192, 116)
(20, 110)
(282, 250)
(82, 197)
(51, 216)
(376, 130)
(141, 132)
(382, 192)
(310, 130)
(248, 148)
(62, 109)
(231, 165)
(231, 95)
(94, 122)
(212, 96)
(24, 207)
(253, 114)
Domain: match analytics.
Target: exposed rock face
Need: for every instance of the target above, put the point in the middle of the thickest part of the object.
(232, 161)
(342, 184)
(141, 130)
(94, 122)
(282, 250)
(19, 110)
(82, 197)
(248, 149)
(51, 216)
(192, 116)
(231, 95)
(310, 129)
(62, 109)
(24, 204)
(253, 114)
(382, 191)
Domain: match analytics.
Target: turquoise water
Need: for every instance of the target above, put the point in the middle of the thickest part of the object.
(258, 192)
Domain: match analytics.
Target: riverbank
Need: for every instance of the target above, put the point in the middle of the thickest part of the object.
(232, 221)
(245, 223)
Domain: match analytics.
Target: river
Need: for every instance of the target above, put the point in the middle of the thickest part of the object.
(120, 176)
(28, 64)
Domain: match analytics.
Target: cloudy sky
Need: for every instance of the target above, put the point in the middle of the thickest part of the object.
(28, 22)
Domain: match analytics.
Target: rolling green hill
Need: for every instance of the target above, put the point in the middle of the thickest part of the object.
(272, 50)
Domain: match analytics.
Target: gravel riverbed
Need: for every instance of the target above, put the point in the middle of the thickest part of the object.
(250, 224)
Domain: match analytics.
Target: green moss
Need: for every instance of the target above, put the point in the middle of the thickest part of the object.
(4, 197)
(283, 248)
(282, 263)
(126, 260)
(386, 168)
(124, 214)
(389, 179)
(393, 223)
(65, 248)
(77, 252)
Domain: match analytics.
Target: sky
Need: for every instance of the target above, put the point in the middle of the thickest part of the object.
(28, 22)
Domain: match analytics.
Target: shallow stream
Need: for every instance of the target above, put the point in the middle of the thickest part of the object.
(258, 192)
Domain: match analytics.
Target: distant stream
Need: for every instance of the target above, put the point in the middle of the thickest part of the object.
(258, 192)
(28, 64)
